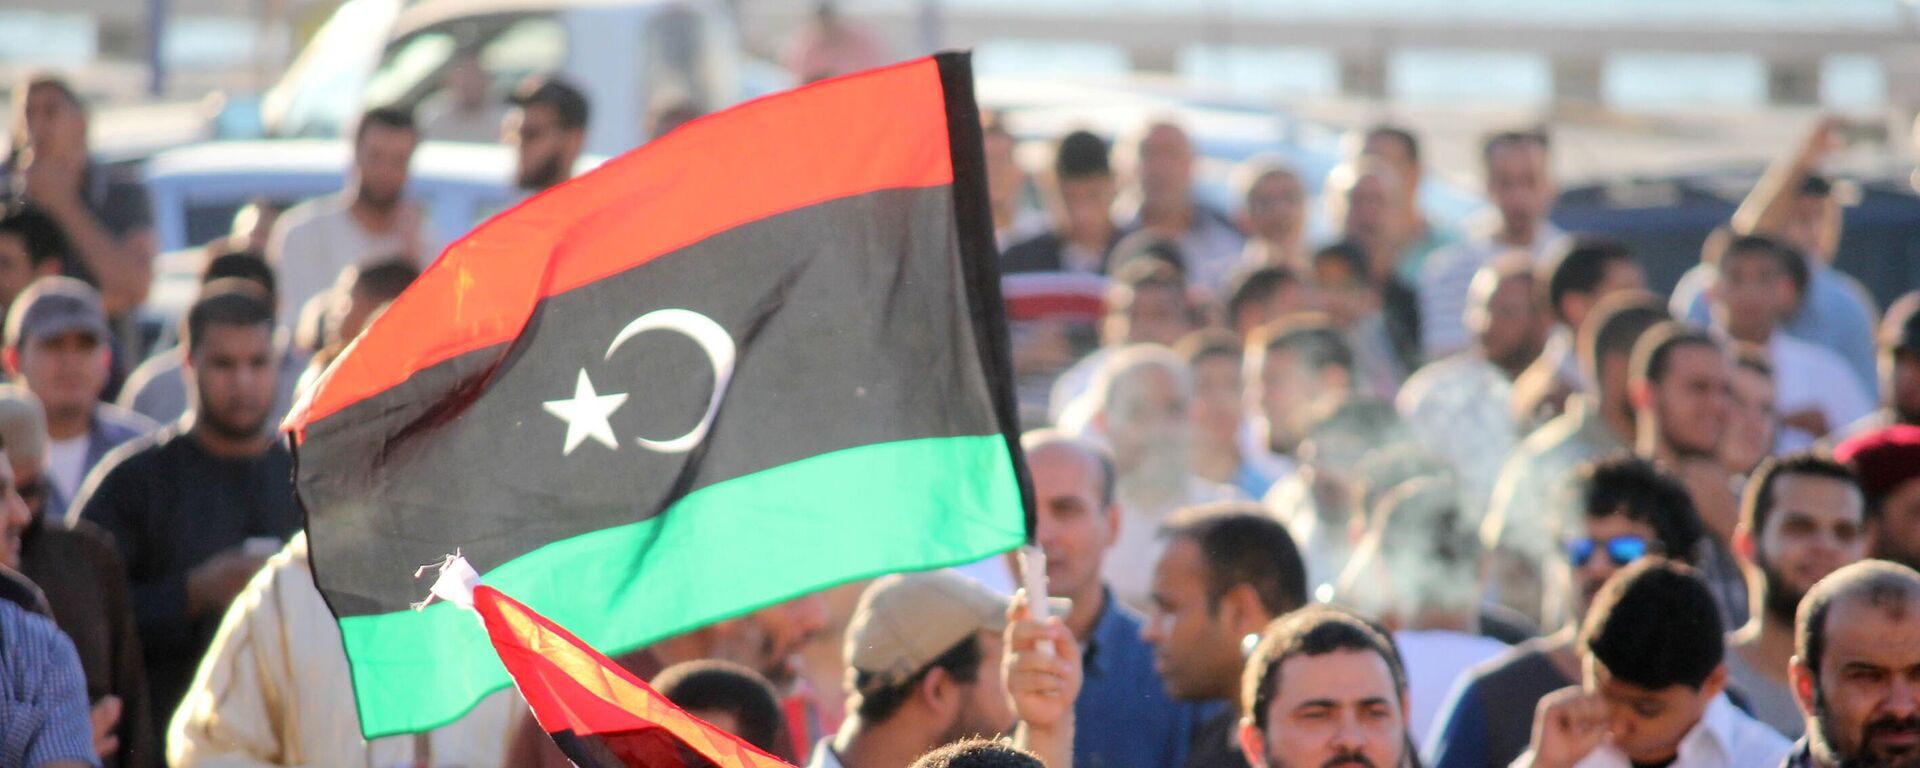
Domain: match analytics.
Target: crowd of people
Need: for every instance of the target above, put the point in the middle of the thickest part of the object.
(1446, 493)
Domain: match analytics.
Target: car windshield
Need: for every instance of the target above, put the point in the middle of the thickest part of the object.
(508, 47)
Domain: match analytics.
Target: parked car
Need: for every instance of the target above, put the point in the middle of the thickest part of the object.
(633, 59)
(197, 189)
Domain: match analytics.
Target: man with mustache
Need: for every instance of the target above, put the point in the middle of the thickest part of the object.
(315, 241)
(547, 128)
(1802, 517)
(1856, 663)
(1324, 688)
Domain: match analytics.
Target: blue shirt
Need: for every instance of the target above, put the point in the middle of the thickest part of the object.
(44, 717)
(1836, 313)
(1124, 717)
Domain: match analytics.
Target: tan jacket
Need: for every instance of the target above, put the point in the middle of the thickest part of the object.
(274, 690)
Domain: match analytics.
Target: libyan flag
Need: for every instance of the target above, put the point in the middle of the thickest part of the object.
(762, 355)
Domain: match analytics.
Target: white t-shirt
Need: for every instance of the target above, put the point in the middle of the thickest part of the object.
(67, 464)
(1809, 376)
(1434, 660)
(317, 240)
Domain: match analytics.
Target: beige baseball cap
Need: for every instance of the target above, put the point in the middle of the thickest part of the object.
(905, 621)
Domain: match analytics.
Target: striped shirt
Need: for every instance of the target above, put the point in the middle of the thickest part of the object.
(44, 717)
(1447, 275)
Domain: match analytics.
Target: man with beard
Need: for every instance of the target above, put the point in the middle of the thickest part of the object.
(1458, 406)
(1856, 656)
(1682, 390)
(1227, 571)
(1324, 688)
(1144, 392)
(546, 129)
(315, 241)
(1801, 519)
(195, 508)
(85, 586)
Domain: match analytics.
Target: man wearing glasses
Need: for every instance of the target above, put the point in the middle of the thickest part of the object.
(1630, 509)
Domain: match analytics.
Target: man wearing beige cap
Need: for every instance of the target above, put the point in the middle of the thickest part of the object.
(923, 654)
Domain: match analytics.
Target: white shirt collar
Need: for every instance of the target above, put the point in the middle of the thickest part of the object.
(1725, 737)
(823, 755)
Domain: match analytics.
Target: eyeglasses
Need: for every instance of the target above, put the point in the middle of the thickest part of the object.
(1620, 549)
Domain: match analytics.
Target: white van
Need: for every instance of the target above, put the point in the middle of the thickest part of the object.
(632, 58)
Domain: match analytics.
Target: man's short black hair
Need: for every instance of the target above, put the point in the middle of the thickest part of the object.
(961, 662)
(43, 237)
(1615, 325)
(1081, 155)
(1581, 268)
(1315, 343)
(1150, 247)
(1785, 258)
(230, 302)
(1315, 630)
(978, 753)
(1882, 584)
(385, 279)
(394, 117)
(1258, 286)
(554, 92)
(242, 265)
(1348, 254)
(1654, 625)
(1240, 544)
(1756, 503)
(1536, 135)
(723, 686)
(1143, 274)
(1402, 136)
(1637, 489)
(1653, 353)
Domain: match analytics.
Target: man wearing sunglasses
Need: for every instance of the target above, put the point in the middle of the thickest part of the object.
(1801, 518)
(1653, 681)
(1628, 509)
(81, 575)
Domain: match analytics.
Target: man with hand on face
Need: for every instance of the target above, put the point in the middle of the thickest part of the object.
(1324, 688)
(1654, 676)
(1855, 666)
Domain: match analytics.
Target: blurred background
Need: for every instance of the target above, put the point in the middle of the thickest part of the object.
(1662, 114)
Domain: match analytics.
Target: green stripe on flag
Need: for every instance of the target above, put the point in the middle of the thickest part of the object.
(754, 541)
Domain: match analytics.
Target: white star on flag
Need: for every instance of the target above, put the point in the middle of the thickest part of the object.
(586, 415)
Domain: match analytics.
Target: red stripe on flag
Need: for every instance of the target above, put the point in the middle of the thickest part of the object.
(883, 129)
(572, 687)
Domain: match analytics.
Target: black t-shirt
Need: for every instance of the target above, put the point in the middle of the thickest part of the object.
(171, 506)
